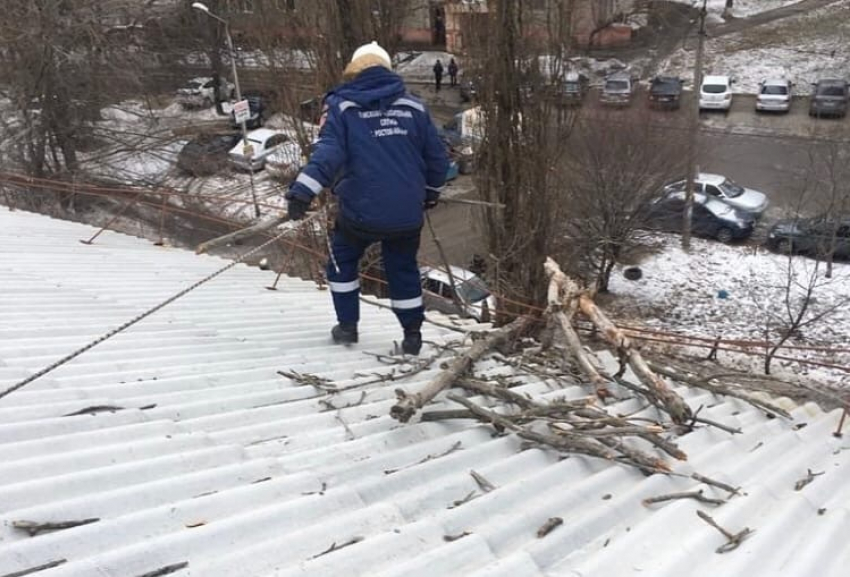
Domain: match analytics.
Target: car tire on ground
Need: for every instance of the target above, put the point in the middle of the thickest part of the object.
(725, 235)
(784, 246)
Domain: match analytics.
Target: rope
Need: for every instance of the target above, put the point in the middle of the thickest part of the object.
(140, 317)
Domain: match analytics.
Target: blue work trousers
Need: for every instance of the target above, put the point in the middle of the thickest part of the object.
(405, 286)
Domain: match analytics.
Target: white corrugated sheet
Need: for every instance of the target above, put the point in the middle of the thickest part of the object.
(193, 456)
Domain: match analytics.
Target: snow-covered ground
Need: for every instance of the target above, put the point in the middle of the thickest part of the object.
(140, 145)
(732, 292)
(802, 48)
(742, 8)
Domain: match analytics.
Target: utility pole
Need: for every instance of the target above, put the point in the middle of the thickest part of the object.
(694, 133)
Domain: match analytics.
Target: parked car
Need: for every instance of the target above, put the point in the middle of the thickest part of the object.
(252, 155)
(473, 294)
(774, 95)
(715, 93)
(829, 98)
(665, 92)
(200, 92)
(573, 89)
(619, 89)
(257, 108)
(725, 190)
(710, 218)
(206, 154)
(818, 236)
(468, 89)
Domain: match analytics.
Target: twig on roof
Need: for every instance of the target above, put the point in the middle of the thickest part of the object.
(714, 483)
(455, 447)
(483, 483)
(335, 547)
(348, 430)
(698, 495)
(810, 476)
(36, 569)
(167, 570)
(94, 410)
(734, 539)
(452, 538)
(34, 527)
(549, 526)
(466, 499)
(309, 380)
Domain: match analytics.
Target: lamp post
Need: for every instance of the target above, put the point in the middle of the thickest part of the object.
(247, 150)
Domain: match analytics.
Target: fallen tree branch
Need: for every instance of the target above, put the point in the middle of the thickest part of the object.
(561, 297)
(408, 404)
(569, 443)
(679, 411)
(705, 384)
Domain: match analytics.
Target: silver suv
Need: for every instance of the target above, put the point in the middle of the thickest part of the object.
(619, 89)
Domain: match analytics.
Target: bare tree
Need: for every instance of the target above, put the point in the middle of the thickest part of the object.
(616, 168)
(524, 134)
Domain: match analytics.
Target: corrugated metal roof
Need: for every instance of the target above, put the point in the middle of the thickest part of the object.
(202, 460)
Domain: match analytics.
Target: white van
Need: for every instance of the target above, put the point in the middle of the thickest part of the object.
(715, 93)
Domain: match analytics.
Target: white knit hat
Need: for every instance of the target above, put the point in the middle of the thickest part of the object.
(374, 51)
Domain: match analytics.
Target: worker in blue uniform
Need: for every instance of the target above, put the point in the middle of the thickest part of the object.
(380, 152)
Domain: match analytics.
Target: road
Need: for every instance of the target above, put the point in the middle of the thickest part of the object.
(768, 152)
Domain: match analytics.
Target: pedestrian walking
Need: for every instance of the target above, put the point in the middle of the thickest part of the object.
(380, 146)
(453, 72)
(438, 74)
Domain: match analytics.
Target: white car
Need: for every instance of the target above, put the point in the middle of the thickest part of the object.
(751, 202)
(715, 93)
(285, 161)
(774, 95)
(200, 92)
(261, 143)
(472, 292)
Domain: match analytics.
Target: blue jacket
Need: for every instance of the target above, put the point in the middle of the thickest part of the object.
(384, 149)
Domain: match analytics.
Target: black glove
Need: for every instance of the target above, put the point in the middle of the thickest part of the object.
(297, 208)
(432, 197)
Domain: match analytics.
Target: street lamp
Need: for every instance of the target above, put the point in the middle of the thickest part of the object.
(201, 7)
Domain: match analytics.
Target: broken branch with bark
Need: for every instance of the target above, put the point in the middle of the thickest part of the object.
(408, 403)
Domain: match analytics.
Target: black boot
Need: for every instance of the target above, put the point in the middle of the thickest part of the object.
(412, 343)
(344, 334)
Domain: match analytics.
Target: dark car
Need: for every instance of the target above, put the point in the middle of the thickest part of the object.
(819, 236)
(572, 90)
(665, 92)
(257, 107)
(206, 154)
(829, 98)
(711, 218)
(468, 89)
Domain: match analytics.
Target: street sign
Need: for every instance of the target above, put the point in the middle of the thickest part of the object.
(241, 111)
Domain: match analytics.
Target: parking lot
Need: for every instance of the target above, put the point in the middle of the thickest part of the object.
(769, 152)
